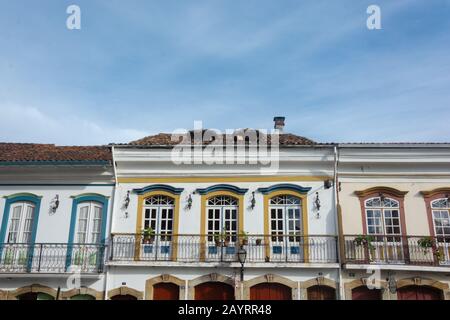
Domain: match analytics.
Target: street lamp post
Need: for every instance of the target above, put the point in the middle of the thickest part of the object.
(242, 256)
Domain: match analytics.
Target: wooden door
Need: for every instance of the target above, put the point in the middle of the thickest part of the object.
(419, 293)
(364, 293)
(321, 293)
(123, 297)
(270, 291)
(214, 291)
(166, 291)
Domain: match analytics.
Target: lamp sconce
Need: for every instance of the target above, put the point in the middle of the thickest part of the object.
(126, 202)
(317, 205)
(189, 202)
(327, 184)
(392, 284)
(447, 196)
(54, 204)
(253, 201)
(382, 196)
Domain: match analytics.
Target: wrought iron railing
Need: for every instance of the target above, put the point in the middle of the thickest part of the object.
(409, 250)
(210, 248)
(51, 258)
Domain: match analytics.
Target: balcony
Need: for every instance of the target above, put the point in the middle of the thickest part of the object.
(51, 258)
(397, 250)
(212, 249)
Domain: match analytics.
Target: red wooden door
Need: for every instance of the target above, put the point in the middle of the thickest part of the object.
(214, 291)
(123, 297)
(166, 291)
(419, 293)
(270, 291)
(364, 293)
(321, 293)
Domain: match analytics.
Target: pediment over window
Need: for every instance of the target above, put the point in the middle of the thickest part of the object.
(222, 187)
(159, 187)
(284, 186)
(381, 189)
(438, 191)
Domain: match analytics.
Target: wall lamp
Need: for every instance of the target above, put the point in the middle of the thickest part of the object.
(317, 205)
(126, 202)
(382, 196)
(189, 202)
(253, 201)
(54, 204)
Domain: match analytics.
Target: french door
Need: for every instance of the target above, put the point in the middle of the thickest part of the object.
(441, 223)
(285, 229)
(222, 227)
(383, 223)
(158, 217)
(87, 237)
(17, 248)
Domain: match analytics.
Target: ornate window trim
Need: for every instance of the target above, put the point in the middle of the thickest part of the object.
(304, 219)
(395, 194)
(140, 212)
(429, 197)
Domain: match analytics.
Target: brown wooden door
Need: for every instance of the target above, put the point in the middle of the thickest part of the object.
(419, 293)
(364, 293)
(166, 291)
(270, 291)
(321, 293)
(123, 297)
(214, 291)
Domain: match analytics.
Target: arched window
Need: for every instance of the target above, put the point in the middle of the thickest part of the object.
(222, 226)
(383, 216)
(158, 219)
(89, 222)
(20, 222)
(286, 228)
(158, 214)
(441, 218)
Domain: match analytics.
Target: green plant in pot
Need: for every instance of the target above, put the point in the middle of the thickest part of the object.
(243, 236)
(148, 235)
(425, 244)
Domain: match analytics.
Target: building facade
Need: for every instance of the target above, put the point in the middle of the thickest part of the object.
(55, 208)
(333, 221)
(394, 205)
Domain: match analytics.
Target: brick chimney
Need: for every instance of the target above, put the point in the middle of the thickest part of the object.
(279, 123)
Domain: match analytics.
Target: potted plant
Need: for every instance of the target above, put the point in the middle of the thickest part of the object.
(244, 238)
(425, 243)
(439, 254)
(258, 242)
(148, 234)
(365, 241)
(217, 239)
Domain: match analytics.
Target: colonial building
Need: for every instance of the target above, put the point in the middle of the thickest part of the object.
(394, 206)
(164, 218)
(224, 231)
(55, 206)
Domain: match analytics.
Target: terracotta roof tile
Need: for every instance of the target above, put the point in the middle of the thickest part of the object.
(30, 152)
(164, 139)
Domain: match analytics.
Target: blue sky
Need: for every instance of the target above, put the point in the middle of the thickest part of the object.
(142, 67)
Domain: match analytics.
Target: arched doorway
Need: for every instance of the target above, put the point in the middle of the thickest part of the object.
(364, 293)
(166, 291)
(270, 291)
(35, 296)
(82, 297)
(319, 292)
(214, 291)
(419, 293)
(123, 297)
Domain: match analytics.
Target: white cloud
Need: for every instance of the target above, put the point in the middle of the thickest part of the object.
(30, 124)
